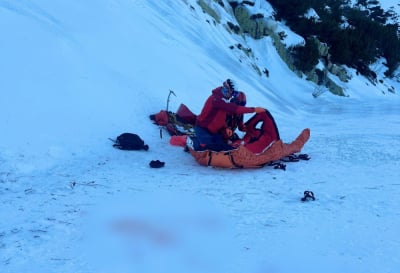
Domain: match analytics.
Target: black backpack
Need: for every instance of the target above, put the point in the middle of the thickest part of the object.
(129, 141)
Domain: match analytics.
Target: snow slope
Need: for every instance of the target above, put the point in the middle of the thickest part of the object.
(75, 73)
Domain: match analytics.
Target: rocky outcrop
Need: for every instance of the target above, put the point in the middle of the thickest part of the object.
(258, 27)
(254, 25)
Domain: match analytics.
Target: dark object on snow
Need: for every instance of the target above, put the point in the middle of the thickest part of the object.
(295, 157)
(308, 195)
(156, 164)
(304, 157)
(278, 165)
(129, 141)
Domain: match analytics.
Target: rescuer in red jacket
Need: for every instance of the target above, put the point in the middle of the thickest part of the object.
(211, 127)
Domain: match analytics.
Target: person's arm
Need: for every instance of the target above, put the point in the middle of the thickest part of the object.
(233, 108)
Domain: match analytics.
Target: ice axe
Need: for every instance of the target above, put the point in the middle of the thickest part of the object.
(169, 95)
(168, 99)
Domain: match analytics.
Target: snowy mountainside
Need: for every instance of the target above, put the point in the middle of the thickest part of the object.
(75, 73)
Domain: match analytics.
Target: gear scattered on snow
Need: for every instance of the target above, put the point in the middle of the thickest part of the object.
(156, 164)
(308, 195)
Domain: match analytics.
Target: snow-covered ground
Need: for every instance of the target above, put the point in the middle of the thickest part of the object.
(75, 73)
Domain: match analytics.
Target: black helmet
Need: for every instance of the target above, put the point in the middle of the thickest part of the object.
(229, 84)
(239, 98)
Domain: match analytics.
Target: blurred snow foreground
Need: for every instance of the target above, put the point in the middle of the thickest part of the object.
(173, 233)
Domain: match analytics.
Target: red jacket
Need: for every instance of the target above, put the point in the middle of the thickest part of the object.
(213, 115)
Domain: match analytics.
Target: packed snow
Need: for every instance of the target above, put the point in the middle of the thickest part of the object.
(76, 73)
